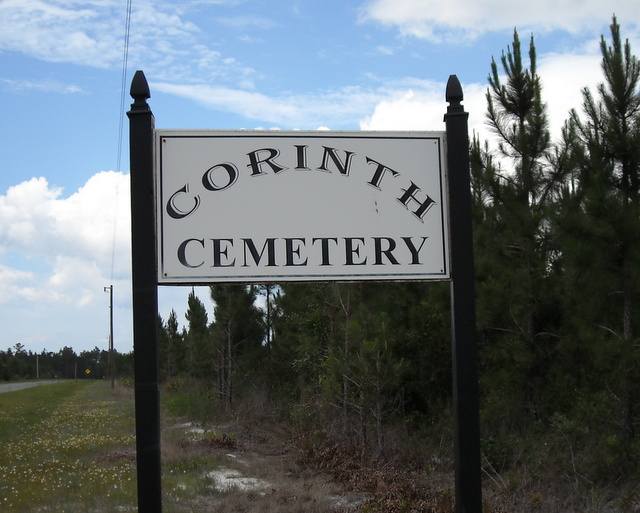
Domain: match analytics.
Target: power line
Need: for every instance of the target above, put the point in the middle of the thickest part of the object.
(125, 59)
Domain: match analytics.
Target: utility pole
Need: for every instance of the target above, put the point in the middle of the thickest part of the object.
(110, 365)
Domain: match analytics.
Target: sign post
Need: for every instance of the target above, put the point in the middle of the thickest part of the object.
(215, 206)
(145, 298)
(463, 308)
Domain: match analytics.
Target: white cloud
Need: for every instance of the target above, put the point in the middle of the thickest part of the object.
(460, 19)
(13, 284)
(246, 22)
(47, 86)
(76, 281)
(333, 108)
(563, 76)
(23, 211)
(385, 50)
(83, 33)
(91, 33)
(85, 220)
(72, 237)
(424, 109)
(407, 104)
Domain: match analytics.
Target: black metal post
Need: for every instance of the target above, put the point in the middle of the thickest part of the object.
(463, 308)
(145, 298)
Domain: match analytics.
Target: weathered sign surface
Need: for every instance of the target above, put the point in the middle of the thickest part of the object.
(258, 206)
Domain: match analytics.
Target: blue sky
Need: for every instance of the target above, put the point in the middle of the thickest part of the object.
(229, 64)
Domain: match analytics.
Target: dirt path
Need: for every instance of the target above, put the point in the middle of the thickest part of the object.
(259, 471)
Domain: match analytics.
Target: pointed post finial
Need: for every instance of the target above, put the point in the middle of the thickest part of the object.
(139, 92)
(454, 96)
(454, 90)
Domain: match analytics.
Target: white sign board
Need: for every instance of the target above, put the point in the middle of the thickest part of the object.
(258, 206)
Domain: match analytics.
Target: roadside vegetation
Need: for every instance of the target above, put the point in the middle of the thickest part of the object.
(70, 447)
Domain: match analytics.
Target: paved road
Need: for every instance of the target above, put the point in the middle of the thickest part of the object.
(12, 387)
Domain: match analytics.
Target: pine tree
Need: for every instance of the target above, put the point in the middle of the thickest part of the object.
(303, 325)
(514, 187)
(176, 352)
(601, 228)
(163, 349)
(358, 355)
(199, 352)
(238, 334)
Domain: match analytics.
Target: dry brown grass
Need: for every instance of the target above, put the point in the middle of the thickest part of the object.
(318, 472)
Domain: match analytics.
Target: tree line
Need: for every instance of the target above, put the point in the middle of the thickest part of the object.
(16, 363)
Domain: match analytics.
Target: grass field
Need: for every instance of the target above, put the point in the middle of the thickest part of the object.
(67, 447)
(70, 447)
